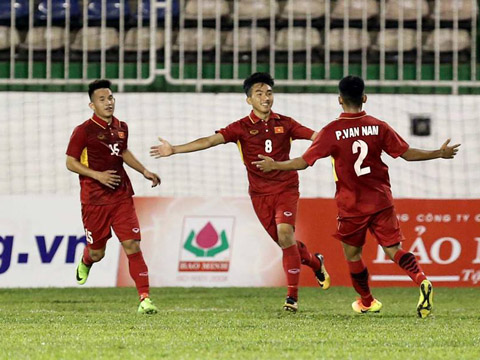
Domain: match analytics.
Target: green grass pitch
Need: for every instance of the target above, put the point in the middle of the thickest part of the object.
(235, 323)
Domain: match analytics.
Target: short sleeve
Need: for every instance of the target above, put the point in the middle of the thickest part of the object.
(78, 142)
(125, 128)
(318, 150)
(231, 133)
(298, 131)
(393, 143)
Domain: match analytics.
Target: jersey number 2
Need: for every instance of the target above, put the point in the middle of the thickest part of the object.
(363, 147)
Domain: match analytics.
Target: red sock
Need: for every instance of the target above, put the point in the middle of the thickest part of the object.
(307, 257)
(359, 276)
(291, 265)
(407, 261)
(139, 273)
(86, 259)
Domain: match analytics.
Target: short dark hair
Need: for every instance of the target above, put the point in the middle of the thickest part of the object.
(351, 90)
(258, 77)
(98, 84)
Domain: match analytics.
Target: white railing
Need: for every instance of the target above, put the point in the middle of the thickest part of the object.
(199, 35)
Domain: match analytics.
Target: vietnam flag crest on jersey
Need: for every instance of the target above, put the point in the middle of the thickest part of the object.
(278, 129)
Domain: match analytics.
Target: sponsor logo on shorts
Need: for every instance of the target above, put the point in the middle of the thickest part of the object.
(293, 271)
(136, 230)
(287, 213)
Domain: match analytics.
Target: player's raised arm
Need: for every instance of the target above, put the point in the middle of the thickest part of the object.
(165, 149)
(445, 152)
(267, 164)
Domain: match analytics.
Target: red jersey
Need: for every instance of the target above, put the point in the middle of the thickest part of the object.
(99, 146)
(271, 138)
(355, 142)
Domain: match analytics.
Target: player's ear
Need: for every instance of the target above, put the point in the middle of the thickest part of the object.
(249, 100)
(340, 100)
(364, 98)
(91, 106)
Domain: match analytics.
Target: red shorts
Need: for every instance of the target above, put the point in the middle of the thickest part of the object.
(383, 225)
(276, 209)
(98, 220)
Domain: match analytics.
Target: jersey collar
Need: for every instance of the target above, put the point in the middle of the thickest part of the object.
(352, 115)
(102, 123)
(255, 119)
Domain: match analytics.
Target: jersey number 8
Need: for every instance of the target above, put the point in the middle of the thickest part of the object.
(268, 146)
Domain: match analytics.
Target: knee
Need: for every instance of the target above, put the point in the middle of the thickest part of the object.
(285, 236)
(391, 250)
(131, 246)
(97, 255)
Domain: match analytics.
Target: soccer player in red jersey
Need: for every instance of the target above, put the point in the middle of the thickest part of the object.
(355, 142)
(96, 151)
(274, 196)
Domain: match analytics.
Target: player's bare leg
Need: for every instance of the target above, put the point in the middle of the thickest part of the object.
(291, 264)
(139, 273)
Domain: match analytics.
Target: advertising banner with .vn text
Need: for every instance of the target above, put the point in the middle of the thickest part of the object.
(42, 240)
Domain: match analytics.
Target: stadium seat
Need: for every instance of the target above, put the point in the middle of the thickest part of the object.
(300, 8)
(132, 42)
(245, 43)
(5, 43)
(392, 37)
(112, 11)
(298, 39)
(58, 10)
(94, 39)
(160, 12)
(21, 12)
(354, 40)
(465, 10)
(409, 8)
(259, 8)
(38, 37)
(446, 42)
(355, 9)
(208, 9)
(190, 36)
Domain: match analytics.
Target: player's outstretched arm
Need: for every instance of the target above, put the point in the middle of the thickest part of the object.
(133, 162)
(108, 178)
(267, 164)
(445, 152)
(165, 149)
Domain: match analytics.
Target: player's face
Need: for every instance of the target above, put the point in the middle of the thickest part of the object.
(261, 98)
(103, 103)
